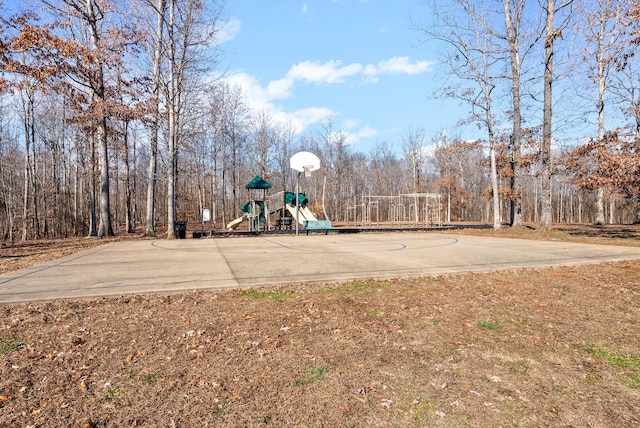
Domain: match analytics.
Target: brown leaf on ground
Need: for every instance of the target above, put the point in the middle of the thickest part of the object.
(530, 347)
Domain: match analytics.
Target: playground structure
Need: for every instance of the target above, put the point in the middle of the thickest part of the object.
(285, 202)
(280, 207)
(421, 208)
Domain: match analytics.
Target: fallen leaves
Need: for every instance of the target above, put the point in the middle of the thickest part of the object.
(386, 403)
(254, 361)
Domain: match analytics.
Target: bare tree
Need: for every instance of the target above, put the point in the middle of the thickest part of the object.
(514, 11)
(90, 15)
(626, 87)
(603, 28)
(551, 34)
(282, 155)
(265, 139)
(334, 154)
(463, 26)
(74, 61)
(413, 144)
(9, 176)
(454, 161)
(229, 121)
(30, 191)
(385, 170)
(159, 9)
(188, 36)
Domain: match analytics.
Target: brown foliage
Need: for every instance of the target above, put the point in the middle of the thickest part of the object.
(613, 162)
(41, 51)
(634, 19)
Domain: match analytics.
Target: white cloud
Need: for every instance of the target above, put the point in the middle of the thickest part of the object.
(351, 123)
(333, 72)
(329, 72)
(229, 30)
(252, 89)
(398, 65)
(305, 8)
(262, 97)
(280, 89)
(429, 151)
(303, 118)
(365, 132)
(299, 120)
(352, 136)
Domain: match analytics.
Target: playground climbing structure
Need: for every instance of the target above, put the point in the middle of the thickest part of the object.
(421, 208)
(281, 208)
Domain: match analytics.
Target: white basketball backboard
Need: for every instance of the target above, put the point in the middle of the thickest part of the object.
(305, 162)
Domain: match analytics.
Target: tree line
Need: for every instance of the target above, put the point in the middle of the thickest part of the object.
(111, 121)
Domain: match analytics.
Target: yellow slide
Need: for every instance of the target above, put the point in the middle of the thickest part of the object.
(305, 214)
(235, 223)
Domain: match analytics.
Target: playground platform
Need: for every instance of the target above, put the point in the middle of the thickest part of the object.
(183, 265)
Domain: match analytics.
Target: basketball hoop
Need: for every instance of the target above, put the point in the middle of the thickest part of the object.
(305, 162)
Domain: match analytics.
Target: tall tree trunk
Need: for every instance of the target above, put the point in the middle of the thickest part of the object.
(129, 222)
(637, 138)
(214, 195)
(600, 58)
(497, 218)
(44, 231)
(235, 179)
(27, 171)
(35, 194)
(546, 217)
(77, 186)
(497, 221)
(516, 157)
(104, 228)
(173, 127)
(224, 193)
(612, 209)
(150, 224)
(93, 16)
(134, 181)
(30, 195)
(93, 228)
(76, 189)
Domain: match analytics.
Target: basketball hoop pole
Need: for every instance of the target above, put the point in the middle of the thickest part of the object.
(302, 162)
(297, 202)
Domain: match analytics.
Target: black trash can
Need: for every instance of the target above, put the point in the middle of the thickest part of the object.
(181, 229)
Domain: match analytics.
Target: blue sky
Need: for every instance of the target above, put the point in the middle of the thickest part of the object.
(357, 61)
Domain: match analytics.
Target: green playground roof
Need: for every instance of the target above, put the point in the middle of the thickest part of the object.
(258, 183)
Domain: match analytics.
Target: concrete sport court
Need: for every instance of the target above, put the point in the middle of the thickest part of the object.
(168, 266)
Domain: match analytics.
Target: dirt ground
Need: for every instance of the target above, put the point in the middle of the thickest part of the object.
(530, 347)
